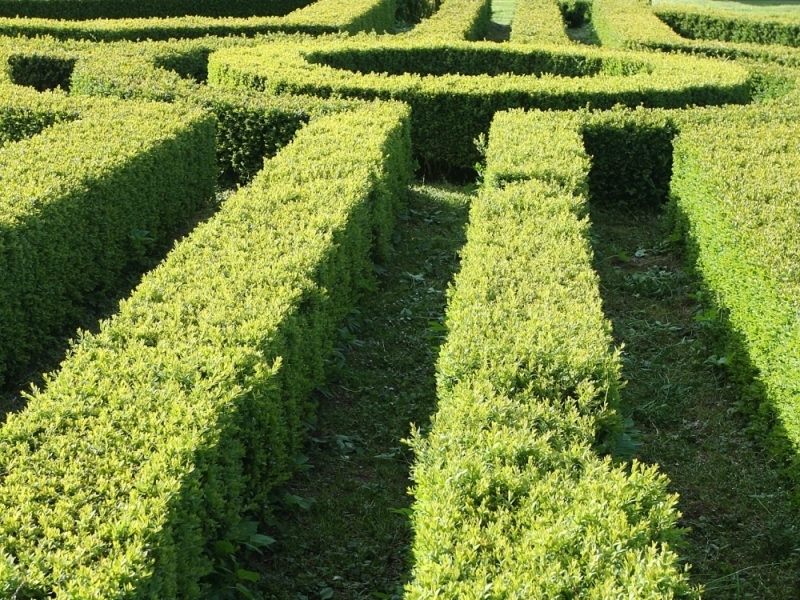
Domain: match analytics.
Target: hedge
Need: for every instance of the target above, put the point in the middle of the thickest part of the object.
(85, 199)
(115, 9)
(455, 20)
(626, 23)
(185, 410)
(24, 112)
(538, 22)
(735, 186)
(512, 499)
(323, 16)
(449, 111)
(697, 23)
(250, 125)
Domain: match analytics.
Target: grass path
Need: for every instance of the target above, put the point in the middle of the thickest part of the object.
(502, 15)
(342, 533)
(744, 539)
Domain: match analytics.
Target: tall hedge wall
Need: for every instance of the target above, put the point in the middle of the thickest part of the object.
(511, 497)
(320, 17)
(186, 409)
(115, 9)
(538, 22)
(84, 199)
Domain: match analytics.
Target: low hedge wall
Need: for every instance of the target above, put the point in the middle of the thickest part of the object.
(320, 17)
(250, 125)
(449, 111)
(455, 20)
(186, 408)
(735, 188)
(24, 112)
(538, 22)
(512, 498)
(725, 26)
(115, 9)
(83, 200)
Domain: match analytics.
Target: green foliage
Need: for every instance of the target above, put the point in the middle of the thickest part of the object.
(455, 20)
(726, 26)
(741, 216)
(72, 199)
(628, 23)
(186, 409)
(475, 81)
(115, 9)
(323, 16)
(512, 499)
(24, 113)
(538, 22)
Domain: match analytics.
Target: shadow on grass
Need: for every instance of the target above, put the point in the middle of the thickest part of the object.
(743, 539)
(340, 525)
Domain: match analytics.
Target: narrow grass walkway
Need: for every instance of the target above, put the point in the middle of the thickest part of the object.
(342, 531)
(502, 16)
(744, 538)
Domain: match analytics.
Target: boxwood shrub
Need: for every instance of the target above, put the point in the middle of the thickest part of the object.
(455, 88)
(538, 22)
(86, 198)
(512, 498)
(185, 410)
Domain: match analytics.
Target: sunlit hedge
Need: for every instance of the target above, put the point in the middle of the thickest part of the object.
(161, 431)
(84, 199)
(512, 498)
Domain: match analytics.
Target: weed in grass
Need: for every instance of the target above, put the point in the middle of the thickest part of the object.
(744, 538)
(351, 539)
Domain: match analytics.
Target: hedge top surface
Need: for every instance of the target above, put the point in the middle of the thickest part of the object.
(371, 66)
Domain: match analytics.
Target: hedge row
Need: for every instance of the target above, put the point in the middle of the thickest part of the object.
(626, 23)
(736, 186)
(512, 499)
(186, 409)
(323, 16)
(250, 125)
(24, 112)
(85, 199)
(475, 80)
(538, 22)
(633, 25)
(116, 9)
(697, 23)
(456, 20)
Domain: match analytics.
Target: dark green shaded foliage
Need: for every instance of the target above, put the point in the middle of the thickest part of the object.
(41, 72)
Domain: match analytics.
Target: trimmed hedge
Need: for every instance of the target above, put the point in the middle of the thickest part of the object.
(725, 26)
(24, 112)
(627, 23)
(538, 22)
(186, 409)
(115, 9)
(83, 200)
(512, 499)
(455, 20)
(250, 125)
(323, 16)
(450, 111)
(735, 187)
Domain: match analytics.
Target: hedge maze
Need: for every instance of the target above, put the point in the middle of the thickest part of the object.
(173, 422)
